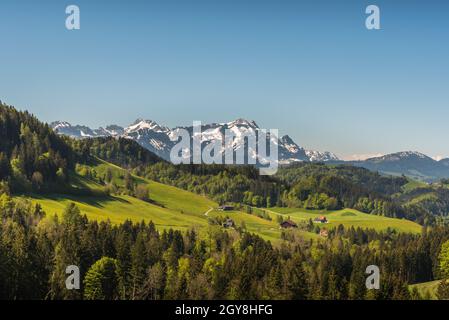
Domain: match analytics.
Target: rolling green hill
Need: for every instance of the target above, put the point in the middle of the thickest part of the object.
(118, 209)
(427, 289)
(350, 218)
(171, 207)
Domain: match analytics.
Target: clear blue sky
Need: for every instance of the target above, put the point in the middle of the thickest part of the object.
(311, 68)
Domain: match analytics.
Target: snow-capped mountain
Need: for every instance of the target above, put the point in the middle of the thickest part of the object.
(113, 130)
(318, 156)
(291, 152)
(65, 128)
(160, 139)
(151, 136)
(145, 125)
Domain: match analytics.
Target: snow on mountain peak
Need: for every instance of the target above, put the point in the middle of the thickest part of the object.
(111, 130)
(290, 145)
(406, 154)
(243, 122)
(317, 156)
(60, 124)
(141, 124)
(159, 139)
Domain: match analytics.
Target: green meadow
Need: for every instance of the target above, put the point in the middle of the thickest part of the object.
(350, 218)
(119, 208)
(170, 207)
(427, 289)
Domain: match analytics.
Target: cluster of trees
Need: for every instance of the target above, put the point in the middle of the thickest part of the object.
(443, 287)
(136, 261)
(430, 201)
(122, 183)
(122, 152)
(261, 213)
(32, 156)
(319, 186)
(237, 184)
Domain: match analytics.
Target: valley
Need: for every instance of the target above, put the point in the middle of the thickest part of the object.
(174, 208)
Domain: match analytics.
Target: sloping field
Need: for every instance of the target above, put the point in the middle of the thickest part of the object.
(427, 289)
(170, 207)
(351, 217)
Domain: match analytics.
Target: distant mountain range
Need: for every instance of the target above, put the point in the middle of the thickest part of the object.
(158, 139)
(409, 163)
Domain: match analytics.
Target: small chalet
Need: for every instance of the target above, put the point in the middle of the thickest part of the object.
(225, 208)
(324, 233)
(288, 224)
(229, 223)
(321, 219)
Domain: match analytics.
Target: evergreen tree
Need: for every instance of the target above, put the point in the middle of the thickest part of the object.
(101, 281)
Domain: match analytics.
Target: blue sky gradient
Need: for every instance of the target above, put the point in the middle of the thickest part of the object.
(311, 68)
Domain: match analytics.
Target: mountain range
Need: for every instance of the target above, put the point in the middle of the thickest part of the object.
(409, 163)
(158, 139)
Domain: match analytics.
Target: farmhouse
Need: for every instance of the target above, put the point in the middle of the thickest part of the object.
(321, 219)
(225, 208)
(288, 224)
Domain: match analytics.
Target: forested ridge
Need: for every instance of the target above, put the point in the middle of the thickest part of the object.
(32, 156)
(122, 152)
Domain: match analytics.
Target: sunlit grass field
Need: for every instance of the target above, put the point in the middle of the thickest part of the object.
(350, 218)
(119, 208)
(427, 289)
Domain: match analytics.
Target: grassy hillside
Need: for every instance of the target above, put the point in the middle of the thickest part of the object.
(413, 184)
(171, 207)
(427, 289)
(351, 217)
(118, 209)
(163, 195)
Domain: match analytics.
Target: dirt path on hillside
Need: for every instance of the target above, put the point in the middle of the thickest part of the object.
(207, 212)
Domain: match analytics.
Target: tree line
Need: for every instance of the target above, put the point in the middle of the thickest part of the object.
(32, 156)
